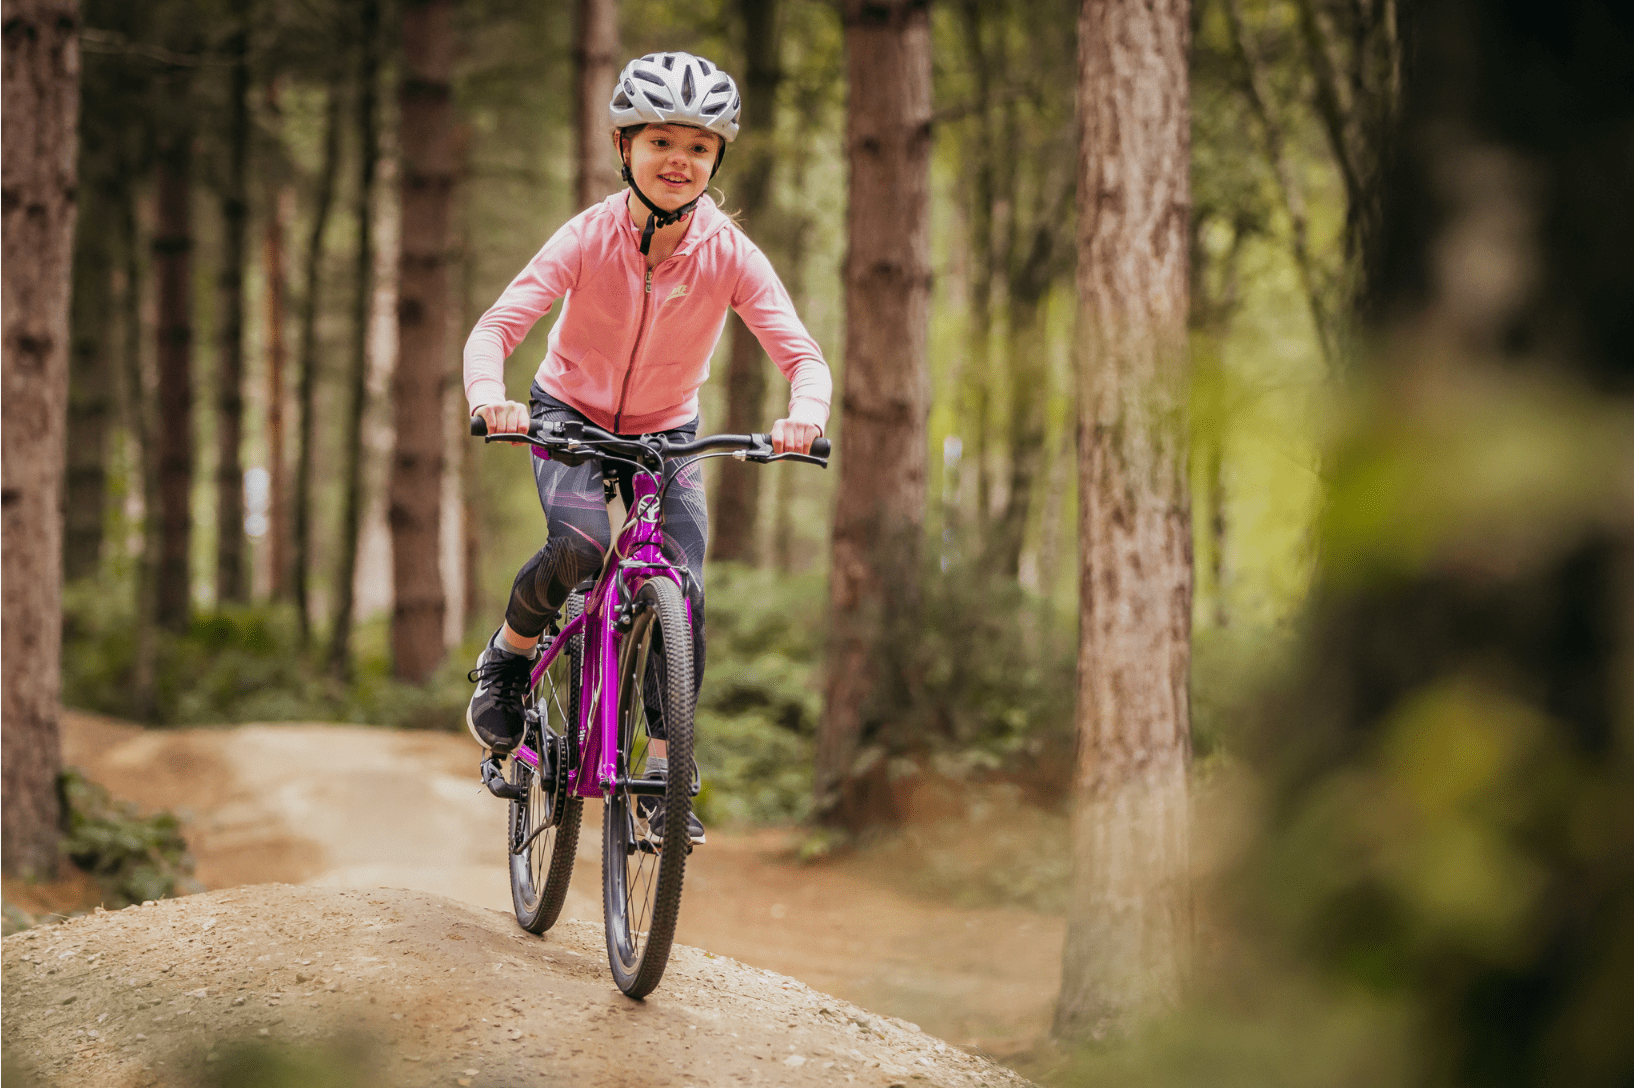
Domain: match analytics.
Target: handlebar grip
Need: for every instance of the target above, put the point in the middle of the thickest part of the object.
(820, 448)
(479, 427)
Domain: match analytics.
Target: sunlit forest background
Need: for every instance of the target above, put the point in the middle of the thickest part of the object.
(1408, 470)
(1001, 541)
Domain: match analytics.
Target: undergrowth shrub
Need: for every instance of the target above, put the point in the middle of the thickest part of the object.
(244, 663)
(133, 857)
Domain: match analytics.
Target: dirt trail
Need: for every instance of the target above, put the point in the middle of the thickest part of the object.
(412, 989)
(359, 808)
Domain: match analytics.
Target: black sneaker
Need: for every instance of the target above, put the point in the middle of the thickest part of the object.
(649, 821)
(495, 713)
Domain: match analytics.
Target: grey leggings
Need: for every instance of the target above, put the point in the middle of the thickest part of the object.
(580, 534)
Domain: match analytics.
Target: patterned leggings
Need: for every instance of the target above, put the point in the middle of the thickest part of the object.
(580, 533)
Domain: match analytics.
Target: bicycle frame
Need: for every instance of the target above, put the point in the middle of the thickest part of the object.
(637, 556)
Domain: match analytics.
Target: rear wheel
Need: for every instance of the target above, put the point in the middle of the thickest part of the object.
(641, 880)
(544, 822)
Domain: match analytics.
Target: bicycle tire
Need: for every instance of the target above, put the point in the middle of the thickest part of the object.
(641, 886)
(540, 873)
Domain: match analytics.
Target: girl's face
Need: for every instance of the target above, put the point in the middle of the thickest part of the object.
(672, 163)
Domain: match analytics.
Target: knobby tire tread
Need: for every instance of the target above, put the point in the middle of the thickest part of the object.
(565, 838)
(678, 702)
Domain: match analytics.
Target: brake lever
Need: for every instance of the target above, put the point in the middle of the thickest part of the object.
(805, 457)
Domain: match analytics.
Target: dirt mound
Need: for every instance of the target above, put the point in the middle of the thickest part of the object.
(360, 808)
(435, 992)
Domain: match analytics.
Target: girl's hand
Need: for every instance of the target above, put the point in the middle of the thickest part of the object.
(791, 437)
(508, 417)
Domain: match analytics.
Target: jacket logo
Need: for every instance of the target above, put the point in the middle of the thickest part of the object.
(677, 291)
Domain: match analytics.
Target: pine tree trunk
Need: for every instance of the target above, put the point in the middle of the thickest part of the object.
(595, 63)
(232, 583)
(879, 513)
(90, 387)
(975, 378)
(172, 270)
(278, 526)
(423, 305)
(37, 172)
(323, 204)
(737, 496)
(351, 518)
(1129, 928)
(1029, 379)
(138, 388)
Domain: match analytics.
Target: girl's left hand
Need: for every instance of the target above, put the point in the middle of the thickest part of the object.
(791, 437)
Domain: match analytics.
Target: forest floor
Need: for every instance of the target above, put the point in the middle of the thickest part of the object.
(349, 811)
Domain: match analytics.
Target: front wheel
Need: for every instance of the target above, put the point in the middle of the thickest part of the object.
(544, 825)
(642, 867)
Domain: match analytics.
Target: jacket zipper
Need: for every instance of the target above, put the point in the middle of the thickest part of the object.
(641, 335)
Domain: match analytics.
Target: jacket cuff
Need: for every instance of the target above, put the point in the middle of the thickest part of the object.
(809, 410)
(485, 391)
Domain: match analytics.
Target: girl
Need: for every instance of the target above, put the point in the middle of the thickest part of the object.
(645, 277)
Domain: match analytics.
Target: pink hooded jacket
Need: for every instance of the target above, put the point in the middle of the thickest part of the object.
(631, 348)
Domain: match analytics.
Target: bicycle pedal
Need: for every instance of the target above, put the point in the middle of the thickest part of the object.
(493, 777)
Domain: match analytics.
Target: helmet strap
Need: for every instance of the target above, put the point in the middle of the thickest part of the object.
(658, 217)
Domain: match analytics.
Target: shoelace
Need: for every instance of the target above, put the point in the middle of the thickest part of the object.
(510, 678)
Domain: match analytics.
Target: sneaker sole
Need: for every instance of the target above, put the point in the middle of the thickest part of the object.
(471, 727)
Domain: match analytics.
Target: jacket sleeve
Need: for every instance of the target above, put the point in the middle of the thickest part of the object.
(767, 310)
(552, 272)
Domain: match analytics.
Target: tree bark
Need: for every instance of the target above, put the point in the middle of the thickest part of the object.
(1128, 932)
(351, 519)
(139, 418)
(879, 513)
(172, 268)
(90, 386)
(595, 64)
(232, 583)
(37, 174)
(323, 204)
(278, 521)
(1029, 377)
(1357, 72)
(976, 377)
(423, 305)
(737, 494)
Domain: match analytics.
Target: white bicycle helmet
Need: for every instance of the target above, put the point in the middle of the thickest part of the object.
(676, 89)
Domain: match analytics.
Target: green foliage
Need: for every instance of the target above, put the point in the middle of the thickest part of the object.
(991, 697)
(244, 664)
(348, 1063)
(135, 858)
(758, 712)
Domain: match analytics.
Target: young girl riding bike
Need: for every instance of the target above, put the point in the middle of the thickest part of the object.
(645, 279)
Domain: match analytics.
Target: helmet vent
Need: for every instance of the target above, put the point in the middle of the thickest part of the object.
(704, 66)
(687, 89)
(621, 101)
(669, 62)
(649, 77)
(723, 85)
(662, 101)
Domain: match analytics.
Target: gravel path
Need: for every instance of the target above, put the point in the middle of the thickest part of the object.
(411, 988)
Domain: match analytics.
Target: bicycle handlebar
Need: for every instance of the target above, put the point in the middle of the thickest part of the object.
(585, 438)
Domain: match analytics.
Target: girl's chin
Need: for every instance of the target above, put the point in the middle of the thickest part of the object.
(670, 197)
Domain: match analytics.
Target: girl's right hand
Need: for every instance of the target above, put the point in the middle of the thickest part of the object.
(508, 417)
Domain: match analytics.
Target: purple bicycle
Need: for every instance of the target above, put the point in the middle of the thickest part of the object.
(617, 673)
